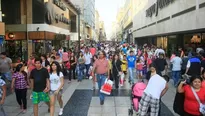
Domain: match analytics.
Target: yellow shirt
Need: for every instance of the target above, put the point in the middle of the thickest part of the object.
(110, 64)
(124, 65)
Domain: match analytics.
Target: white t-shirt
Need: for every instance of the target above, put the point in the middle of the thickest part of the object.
(55, 81)
(155, 86)
(176, 61)
(88, 57)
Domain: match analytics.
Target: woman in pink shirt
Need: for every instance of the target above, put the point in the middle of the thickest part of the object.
(65, 56)
(101, 68)
(31, 64)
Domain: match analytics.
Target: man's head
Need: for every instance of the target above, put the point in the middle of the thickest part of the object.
(161, 55)
(3, 55)
(153, 68)
(57, 56)
(86, 50)
(38, 63)
(131, 53)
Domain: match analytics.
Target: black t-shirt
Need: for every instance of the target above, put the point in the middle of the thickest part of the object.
(203, 63)
(160, 64)
(39, 77)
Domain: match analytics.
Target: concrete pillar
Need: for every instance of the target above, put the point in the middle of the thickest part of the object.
(29, 21)
(0, 12)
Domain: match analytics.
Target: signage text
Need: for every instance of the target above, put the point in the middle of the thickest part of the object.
(160, 4)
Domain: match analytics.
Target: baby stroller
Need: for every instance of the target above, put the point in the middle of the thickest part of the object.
(137, 92)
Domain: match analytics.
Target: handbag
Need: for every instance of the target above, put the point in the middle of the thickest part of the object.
(107, 87)
(201, 106)
(121, 75)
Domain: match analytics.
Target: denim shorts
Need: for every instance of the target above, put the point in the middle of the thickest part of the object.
(52, 92)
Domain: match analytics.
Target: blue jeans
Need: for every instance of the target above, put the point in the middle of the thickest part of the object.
(80, 75)
(101, 80)
(87, 66)
(7, 75)
(131, 74)
(176, 77)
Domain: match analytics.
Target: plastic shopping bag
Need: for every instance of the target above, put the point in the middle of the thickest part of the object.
(107, 87)
(122, 76)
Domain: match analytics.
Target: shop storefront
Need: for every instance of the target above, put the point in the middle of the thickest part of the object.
(37, 26)
(171, 23)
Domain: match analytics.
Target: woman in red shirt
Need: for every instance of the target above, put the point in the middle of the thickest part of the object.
(191, 105)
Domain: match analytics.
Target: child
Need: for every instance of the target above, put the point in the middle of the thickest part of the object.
(124, 66)
(2, 96)
(139, 67)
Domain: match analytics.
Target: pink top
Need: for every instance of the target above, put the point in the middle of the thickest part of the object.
(92, 51)
(65, 56)
(31, 65)
(139, 66)
(172, 56)
(101, 66)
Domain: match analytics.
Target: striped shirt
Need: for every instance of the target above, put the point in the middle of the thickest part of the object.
(20, 81)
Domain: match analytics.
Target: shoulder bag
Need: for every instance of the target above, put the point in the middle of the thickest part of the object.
(201, 106)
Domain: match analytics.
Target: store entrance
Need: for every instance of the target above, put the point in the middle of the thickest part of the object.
(16, 50)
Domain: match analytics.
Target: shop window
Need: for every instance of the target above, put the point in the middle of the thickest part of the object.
(16, 50)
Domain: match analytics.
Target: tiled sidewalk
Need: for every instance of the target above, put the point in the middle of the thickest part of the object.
(80, 100)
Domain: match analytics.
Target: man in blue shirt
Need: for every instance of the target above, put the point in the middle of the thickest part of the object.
(131, 59)
(124, 50)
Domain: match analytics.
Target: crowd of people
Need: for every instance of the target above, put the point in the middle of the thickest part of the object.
(45, 74)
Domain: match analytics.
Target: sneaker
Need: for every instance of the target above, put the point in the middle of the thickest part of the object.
(24, 111)
(31, 96)
(102, 102)
(61, 112)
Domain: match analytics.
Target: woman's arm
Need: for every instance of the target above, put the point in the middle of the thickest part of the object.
(62, 83)
(12, 84)
(180, 88)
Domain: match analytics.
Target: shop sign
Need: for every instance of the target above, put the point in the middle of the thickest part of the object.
(61, 18)
(60, 4)
(160, 4)
(52, 15)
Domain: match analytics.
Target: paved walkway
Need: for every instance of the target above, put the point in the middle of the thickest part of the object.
(80, 100)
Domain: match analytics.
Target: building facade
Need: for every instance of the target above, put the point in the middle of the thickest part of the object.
(2, 29)
(37, 25)
(119, 24)
(97, 25)
(124, 20)
(102, 33)
(170, 24)
(87, 8)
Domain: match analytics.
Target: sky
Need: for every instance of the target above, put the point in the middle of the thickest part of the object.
(108, 10)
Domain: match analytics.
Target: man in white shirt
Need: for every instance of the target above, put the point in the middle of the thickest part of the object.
(176, 68)
(159, 51)
(88, 58)
(156, 88)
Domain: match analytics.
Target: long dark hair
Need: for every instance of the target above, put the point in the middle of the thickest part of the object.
(95, 56)
(58, 69)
